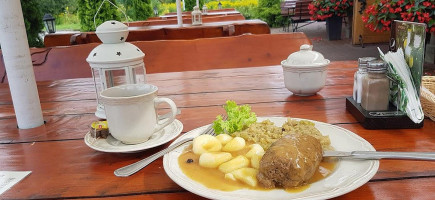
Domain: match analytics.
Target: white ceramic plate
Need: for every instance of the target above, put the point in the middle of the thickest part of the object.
(113, 145)
(348, 175)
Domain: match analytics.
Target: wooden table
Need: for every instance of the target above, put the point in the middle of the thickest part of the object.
(64, 167)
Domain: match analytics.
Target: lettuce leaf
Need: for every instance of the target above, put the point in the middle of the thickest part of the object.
(239, 118)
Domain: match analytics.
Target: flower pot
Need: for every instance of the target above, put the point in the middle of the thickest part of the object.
(333, 27)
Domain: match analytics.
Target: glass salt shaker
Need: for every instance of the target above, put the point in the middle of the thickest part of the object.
(375, 87)
(362, 71)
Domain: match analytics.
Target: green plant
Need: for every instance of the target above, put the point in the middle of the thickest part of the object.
(138, 9)
(33, 22)
(57, 7)
(191, 3)
(378, 16)
(246, 7)
(167, 8)
(87, 10)
(323, 9)
(270, 12)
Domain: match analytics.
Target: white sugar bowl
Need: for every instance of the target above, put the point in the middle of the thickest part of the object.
(305, 71)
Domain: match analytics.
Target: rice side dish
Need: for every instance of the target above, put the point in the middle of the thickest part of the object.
(266, 132)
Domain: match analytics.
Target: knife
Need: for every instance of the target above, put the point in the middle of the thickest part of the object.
(376, 155)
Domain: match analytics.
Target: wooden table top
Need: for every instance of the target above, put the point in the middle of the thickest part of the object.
(63, 166)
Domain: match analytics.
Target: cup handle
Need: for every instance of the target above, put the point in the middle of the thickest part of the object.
(172, 115)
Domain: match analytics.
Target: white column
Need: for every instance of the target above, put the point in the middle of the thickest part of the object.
(197, 3)
(19, 66)
(179, 12)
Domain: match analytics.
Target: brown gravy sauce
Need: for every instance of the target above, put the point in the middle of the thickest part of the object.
(215, 179)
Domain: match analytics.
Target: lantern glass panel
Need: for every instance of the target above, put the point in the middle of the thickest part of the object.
(106, 78)
(51, 28)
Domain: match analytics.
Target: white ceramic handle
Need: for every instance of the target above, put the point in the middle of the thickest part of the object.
(172, 115)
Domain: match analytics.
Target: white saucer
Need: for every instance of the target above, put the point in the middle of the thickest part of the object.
(112, 145)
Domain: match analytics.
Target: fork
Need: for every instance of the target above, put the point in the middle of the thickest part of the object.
(135, 167)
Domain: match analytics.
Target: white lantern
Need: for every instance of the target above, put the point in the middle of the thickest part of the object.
(204, 9)
(115, 62)
(196, 16)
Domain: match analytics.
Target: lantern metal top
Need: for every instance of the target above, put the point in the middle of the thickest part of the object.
(196, 10)
(114, 52)
(111, 55)
(48, 17)
(112, 31)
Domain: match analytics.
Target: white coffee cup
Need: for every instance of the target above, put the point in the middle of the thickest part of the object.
(131, 112)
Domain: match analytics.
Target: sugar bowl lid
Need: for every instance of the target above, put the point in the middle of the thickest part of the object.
(304, 58)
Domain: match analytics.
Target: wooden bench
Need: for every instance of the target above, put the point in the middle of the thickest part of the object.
(175, 55)
(187, 32)
(72, 38)
(295, 12)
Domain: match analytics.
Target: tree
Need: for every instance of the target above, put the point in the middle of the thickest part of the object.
(270, 11)
(33, 22)
(55, 7)
(88, 8)
(191, 3)
(138, 9)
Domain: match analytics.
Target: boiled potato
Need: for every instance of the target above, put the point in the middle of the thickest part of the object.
(235, 144)
(206, 143)
(214, 159)
(233, 164)
(224, 138)
(246, 175)
(255, 149)
(230, 176)
(255, 160)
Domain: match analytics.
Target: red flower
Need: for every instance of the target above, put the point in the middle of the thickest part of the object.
(323, 9)
(426, 3)
(378, 16)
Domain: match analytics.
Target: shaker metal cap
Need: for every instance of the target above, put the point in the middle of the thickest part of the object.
(365, 60)
(377, 66)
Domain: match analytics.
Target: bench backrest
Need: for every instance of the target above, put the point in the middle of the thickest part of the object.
(186, 33)
(176, 55)
(217, 10)
(295, 8)
(187, 20)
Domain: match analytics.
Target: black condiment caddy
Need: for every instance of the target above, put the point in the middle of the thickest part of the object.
(390, 119)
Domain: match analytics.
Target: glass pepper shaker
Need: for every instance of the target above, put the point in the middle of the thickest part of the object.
(362, 71)
(375, 87)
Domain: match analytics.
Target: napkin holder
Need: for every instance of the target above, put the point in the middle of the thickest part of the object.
(390, 119)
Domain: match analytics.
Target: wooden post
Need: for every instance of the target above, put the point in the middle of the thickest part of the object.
(18, 64)
(179, 12)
